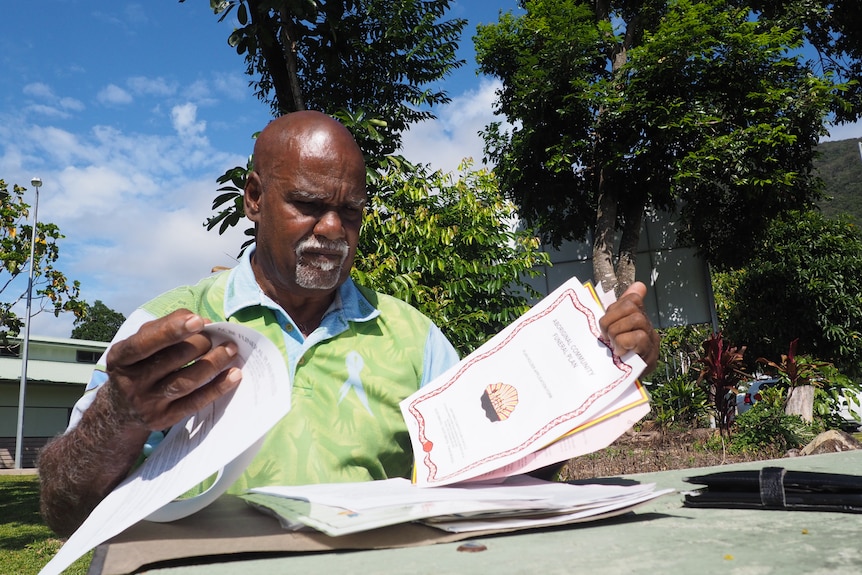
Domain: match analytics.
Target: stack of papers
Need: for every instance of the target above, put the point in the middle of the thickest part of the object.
(517, 503)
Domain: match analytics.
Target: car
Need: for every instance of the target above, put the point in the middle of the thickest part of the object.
(752, 393)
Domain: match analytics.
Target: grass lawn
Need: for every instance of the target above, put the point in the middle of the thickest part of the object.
(26, 543)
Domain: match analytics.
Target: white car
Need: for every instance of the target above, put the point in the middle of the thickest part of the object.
(752, 395)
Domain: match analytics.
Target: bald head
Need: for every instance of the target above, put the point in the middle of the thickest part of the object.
(303, 134)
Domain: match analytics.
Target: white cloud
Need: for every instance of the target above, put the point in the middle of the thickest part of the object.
(39, 90)
(199, 91)
(233, 86)
(114, 95)
(455, 135)
(71, 104)
(151, 86)
(184, 118)
(46, 111)
(51, 105)
(131, 206)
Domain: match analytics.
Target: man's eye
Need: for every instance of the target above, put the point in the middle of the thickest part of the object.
(306, 206)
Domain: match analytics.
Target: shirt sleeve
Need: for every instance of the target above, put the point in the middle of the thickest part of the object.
(440, 355)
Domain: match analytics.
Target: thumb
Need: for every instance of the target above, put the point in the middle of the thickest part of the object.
(637, 288)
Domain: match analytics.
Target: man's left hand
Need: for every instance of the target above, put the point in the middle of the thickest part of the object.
(627, 326)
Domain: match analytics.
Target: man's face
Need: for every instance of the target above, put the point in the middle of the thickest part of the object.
(308, 221)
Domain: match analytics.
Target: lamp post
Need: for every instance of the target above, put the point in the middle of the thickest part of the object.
(22, 390)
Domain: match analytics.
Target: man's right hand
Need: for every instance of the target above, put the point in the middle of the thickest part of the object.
(168, 370)
(157, 377)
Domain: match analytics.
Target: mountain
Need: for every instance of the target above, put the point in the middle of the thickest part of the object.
(839, 165)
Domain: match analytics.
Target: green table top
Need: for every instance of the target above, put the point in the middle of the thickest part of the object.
(659, 537)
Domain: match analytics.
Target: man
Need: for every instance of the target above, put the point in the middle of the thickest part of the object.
(353, 354)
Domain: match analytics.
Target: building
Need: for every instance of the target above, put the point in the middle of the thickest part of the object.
(57, 372)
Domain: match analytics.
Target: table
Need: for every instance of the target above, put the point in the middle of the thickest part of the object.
(660, 537)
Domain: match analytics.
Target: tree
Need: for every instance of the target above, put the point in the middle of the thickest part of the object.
(804, 282)
(99, 323)
(382, 56)
(51, 290)
(686, 105)
(834, 30)
(449, 246)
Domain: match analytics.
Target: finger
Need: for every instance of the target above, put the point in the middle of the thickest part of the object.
(192, 375)
(154, 336)
(637, 288)
(183, 391)
(628, 307)
(224, 383)
(172, 358)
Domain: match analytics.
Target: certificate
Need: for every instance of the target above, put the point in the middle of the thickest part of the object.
(547, 376)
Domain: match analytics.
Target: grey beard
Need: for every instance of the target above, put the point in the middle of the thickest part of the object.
(319, 276)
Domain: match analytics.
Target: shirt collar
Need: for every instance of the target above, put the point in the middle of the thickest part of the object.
(242, 291)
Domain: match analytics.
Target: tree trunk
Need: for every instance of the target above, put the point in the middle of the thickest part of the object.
(801, 402)
(604, 273)
(280, 60)
(618, 272)
(627, 259)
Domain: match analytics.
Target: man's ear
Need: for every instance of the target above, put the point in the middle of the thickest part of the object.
(252, 196)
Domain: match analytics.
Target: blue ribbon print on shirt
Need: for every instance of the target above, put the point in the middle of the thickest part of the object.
(354, 363)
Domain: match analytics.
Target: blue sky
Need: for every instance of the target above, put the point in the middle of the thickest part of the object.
(129, 111)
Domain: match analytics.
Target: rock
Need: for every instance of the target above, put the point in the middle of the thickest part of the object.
(830, 442)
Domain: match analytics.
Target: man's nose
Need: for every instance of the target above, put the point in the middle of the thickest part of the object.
(330, 226)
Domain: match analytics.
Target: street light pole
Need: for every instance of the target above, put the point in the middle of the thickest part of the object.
(22, 390)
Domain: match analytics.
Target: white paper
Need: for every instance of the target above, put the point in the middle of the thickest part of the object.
(545, 375)
(228, 429)
(612, 506)
(519, 501)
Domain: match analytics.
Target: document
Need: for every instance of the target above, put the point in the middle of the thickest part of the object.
(194, 450)
(545, 389)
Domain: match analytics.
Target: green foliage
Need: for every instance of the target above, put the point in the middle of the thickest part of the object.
(679, 402)
(804, 282)
(447, 245)
(378, 55)
(839, 165)
(696, 104)
(51, 290)
(831, 386)
(26, 543)
(834, 390)
(679, 349)
(767, 425)
(834, 29)
(100, 323)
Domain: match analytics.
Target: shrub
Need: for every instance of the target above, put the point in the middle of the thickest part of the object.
(679, 401)
(766, 425)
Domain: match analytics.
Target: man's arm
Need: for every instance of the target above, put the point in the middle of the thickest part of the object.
(157, 377)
